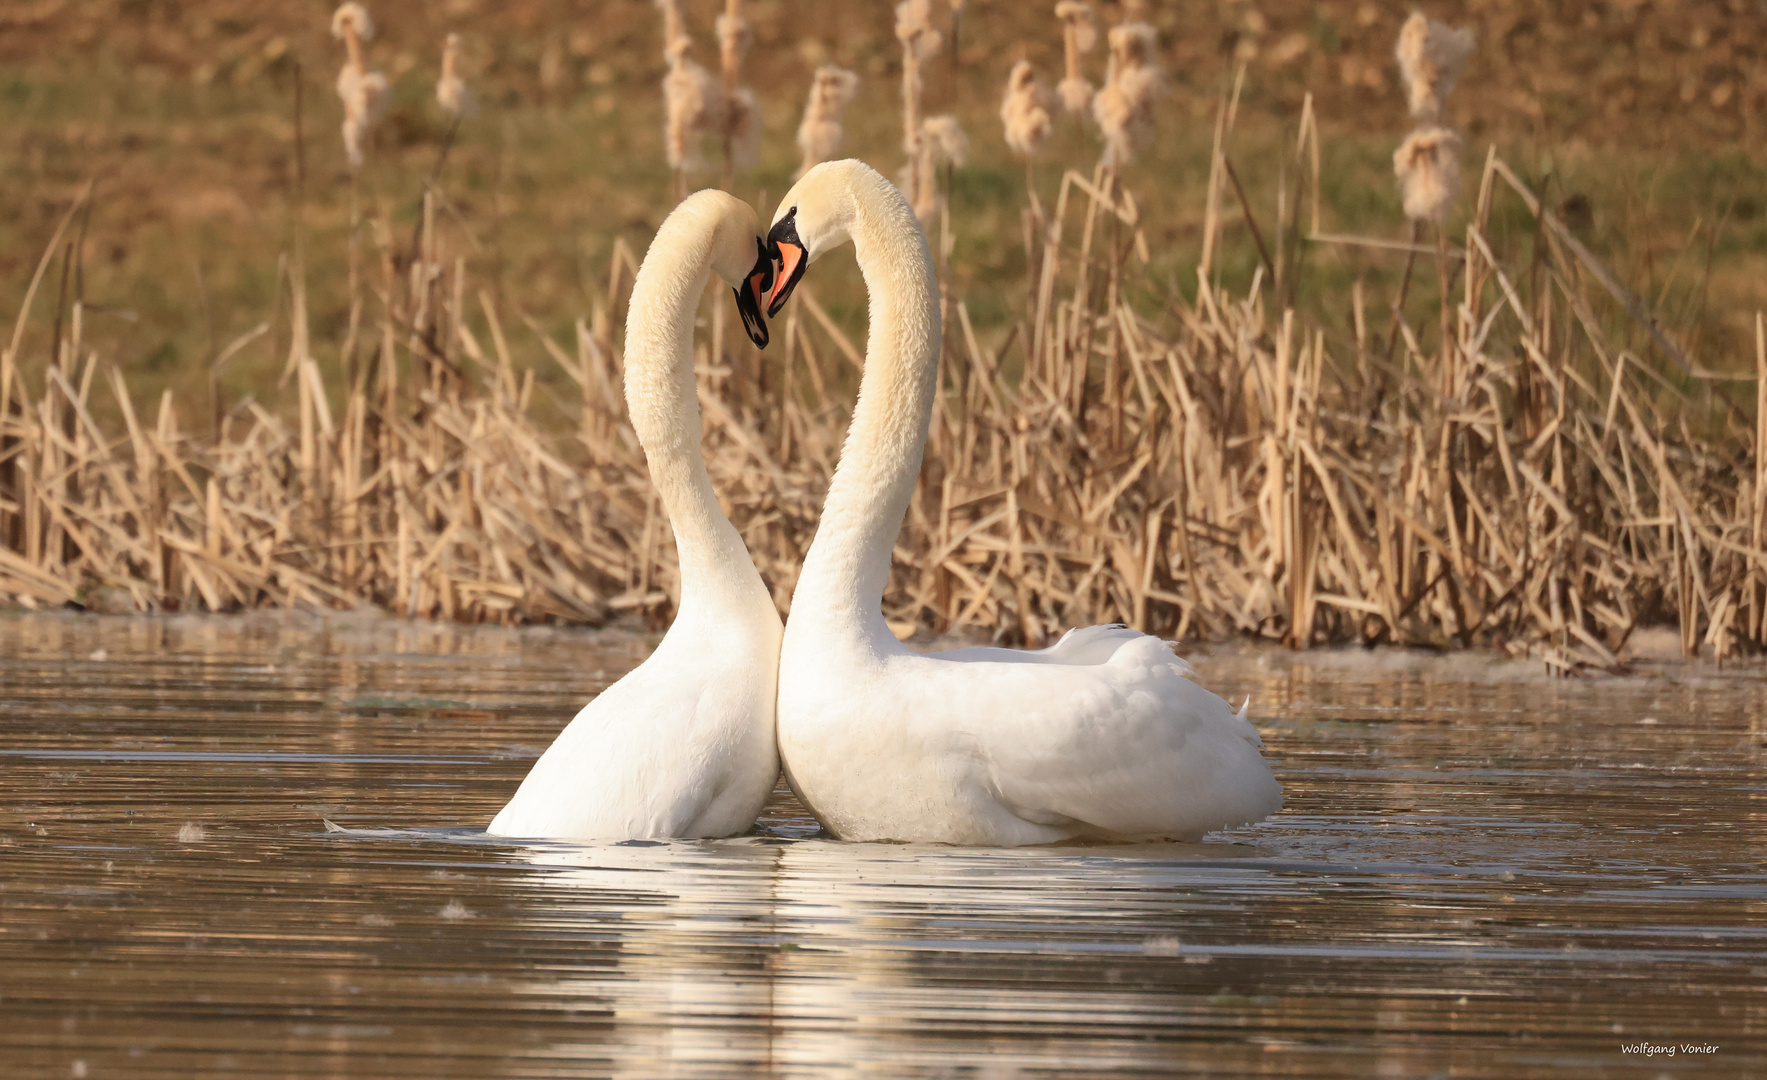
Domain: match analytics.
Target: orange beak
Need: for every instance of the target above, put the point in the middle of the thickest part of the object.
(792, 261)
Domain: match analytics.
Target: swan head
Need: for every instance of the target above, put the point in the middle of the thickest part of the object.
(751, 286)
(815, 217)
(739, 256)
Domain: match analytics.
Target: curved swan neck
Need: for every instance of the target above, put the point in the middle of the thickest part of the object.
(848, 565)
(663, 404)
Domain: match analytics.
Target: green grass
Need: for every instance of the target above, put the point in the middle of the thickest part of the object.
(195, 198)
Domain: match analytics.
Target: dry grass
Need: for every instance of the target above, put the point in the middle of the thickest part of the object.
(1501, 473)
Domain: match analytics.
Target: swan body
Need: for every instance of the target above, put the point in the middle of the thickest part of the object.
(683, 745)
(1101, 734)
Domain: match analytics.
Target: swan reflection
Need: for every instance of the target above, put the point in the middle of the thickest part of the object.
(815, 957)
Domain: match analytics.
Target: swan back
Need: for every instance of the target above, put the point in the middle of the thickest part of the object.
(1103, 733)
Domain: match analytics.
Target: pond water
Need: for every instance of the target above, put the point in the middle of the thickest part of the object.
(1479, 872)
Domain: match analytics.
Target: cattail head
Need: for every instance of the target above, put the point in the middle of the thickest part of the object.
(352, 19)
(1078, 19)
(365, 95)
(452, 93)
(739, 116)
(942, 142)
(735, 35)
(675, 49)
(694, 101)
(1025, 110)
(820, 134)
(674, 28)
(914, 29)
(1427, 164)
(1079, 33)
(920, 42)
(1076, 94)
(1124, 106)
(363, 92)
(946, 138)
(740, 120)
(1431, 57)
(694, 105)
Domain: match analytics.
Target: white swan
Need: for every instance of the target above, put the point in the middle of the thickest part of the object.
(1101, 734)
(683, 745)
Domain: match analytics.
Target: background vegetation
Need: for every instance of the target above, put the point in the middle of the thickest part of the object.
(1508, 485)
(1641, 120)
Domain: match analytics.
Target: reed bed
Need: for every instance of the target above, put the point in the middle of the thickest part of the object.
(1205, 467)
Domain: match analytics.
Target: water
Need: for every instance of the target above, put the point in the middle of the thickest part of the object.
(1480, 872)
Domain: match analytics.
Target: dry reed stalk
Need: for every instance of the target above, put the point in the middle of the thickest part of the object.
(1218, 467)
(739, 116)
(365, 94)
(1428, 166)
(920, 42)
(1079, 33)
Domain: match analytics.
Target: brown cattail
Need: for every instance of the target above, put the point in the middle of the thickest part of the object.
(1124, 106)
(947, 139)
(1427, 164)
(1431, 57)
(735, 36)
(920, 43)
(1025, 110)
(820, 134)
(674, 26)
(363, 92)
(942, 142)
(1079, 32)
(452, 93)
(351, 25)
(693, 98)
(915, 30)
(739, 117)
(693, 101)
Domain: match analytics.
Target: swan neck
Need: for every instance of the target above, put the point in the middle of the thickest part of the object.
(848, 566)
(663, 405)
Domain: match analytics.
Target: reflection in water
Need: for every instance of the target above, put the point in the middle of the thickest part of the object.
(841, 947)
(688, 928)
(1479, 873)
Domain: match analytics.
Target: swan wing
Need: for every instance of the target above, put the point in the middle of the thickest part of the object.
(1130, 746)
(1083, 645)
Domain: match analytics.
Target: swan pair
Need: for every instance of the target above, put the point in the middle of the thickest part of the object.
(1102, 734)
